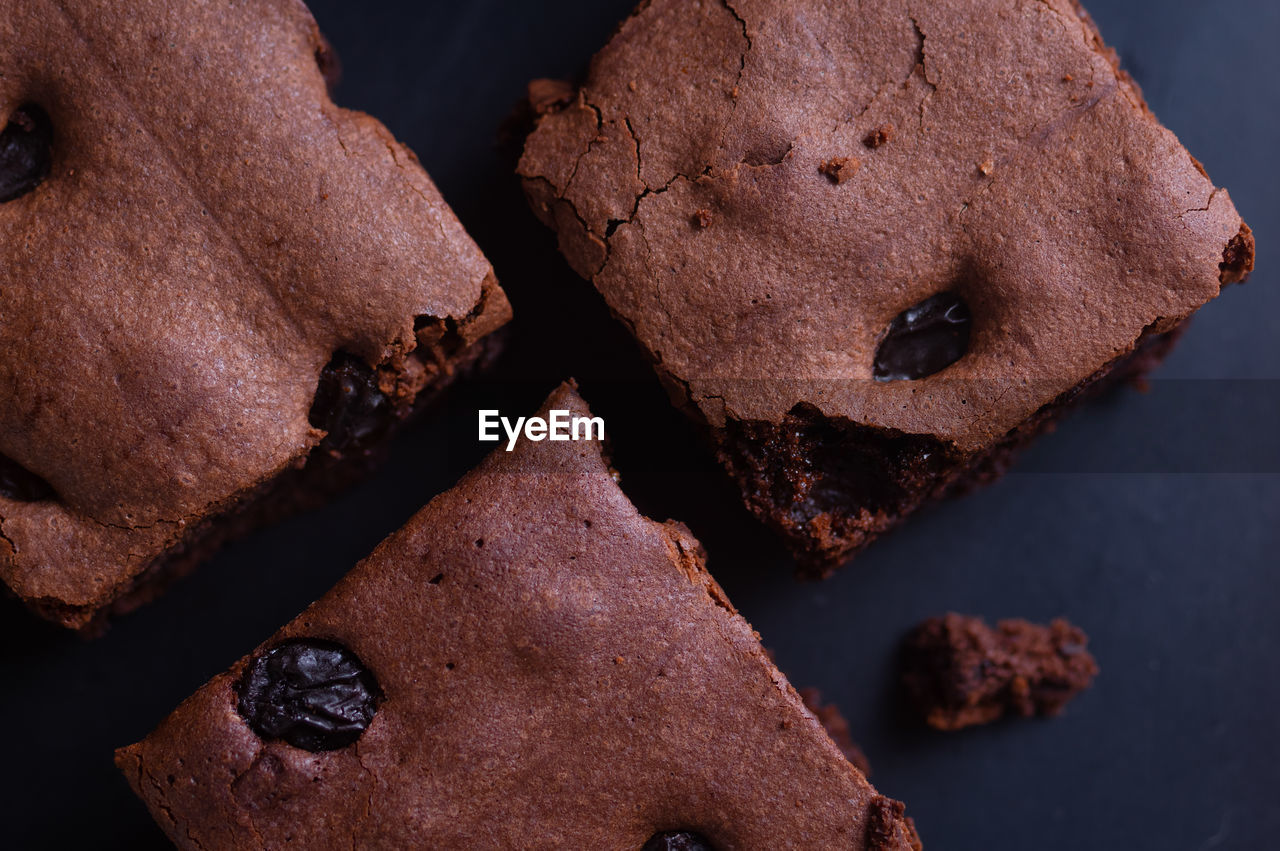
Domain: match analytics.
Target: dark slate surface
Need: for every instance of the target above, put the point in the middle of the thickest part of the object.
(1152, 521)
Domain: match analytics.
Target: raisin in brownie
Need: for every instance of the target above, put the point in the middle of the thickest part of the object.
(529, 663)
(960, 672)
(211, 277)
(876, 246)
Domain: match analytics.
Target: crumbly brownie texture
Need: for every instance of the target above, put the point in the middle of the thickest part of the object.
(786, 201)
(529, 663)
(828, 715)
(960, 672)
(210, 277)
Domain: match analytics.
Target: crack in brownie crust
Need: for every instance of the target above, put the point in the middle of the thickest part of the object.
(211, 231)
(1003, 157)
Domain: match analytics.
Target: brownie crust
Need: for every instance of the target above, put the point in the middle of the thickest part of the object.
(555, 671)
(212, 232)
(704, 180)
(831, 719)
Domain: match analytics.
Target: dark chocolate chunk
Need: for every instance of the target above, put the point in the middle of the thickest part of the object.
(17, 482)
(677, 840)
(349, 405)
(924, 339)
(26, 154)
(315, 695)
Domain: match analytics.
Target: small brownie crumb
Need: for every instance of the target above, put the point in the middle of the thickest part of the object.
(960, 672)
(547, 96)
(840, 169)
(837, 728)
(702, 218)
(888, 826)
(880, 136)
(1237, 257)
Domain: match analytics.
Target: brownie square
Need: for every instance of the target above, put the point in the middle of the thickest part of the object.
(528, 663)
(218, 290)
(876, 247)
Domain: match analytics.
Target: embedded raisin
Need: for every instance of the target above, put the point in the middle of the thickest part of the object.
(349, 406)
(315, 695)
(677, 840)
(25, 152)
(924, 339)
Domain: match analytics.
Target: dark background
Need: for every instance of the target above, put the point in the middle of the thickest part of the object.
(1151, 520)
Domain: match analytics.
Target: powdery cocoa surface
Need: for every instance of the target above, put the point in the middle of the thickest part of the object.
(558, 671)
(214, 228)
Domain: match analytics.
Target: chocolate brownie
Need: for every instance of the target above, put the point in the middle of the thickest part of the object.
(529, 663)
(218, 290)
(876, 246)
(960, 672)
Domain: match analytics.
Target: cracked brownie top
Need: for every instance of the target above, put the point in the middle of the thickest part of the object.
(191, 229)
(528, 663)
(931, 217)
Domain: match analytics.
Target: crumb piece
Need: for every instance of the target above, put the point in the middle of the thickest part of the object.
(702, 218)
(631, 86)
(840, 169)
(888, 826)
(986, 167)
(733, 93)
(1068, 78)
(837, 728)
(879, 136)
(960, 672)
(547, 96)
(1237, 257)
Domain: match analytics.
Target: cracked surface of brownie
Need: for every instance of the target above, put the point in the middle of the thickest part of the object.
(196, 248)
(924, 223)
(528, 663)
